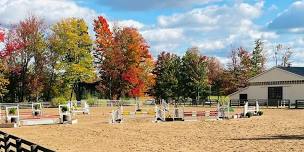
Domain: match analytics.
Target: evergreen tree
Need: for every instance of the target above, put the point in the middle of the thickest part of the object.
(258, 58)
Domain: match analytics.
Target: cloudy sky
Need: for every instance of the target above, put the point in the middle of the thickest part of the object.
(215, 26)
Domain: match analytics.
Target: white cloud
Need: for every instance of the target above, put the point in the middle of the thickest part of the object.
(12, 11)
(128, 23)
(213, 15)
(251, 11)
(296, 30)
(223, 60)
(146, 5)
(214, 28)
(164, 35)
(195, 17)
(210, 45)
(164, 39)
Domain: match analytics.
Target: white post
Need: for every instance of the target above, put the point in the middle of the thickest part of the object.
(228, 108)
(164, 114)
(245, 108)
(182, 114)
(257, 107)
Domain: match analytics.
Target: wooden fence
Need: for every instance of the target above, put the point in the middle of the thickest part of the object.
(10, 143)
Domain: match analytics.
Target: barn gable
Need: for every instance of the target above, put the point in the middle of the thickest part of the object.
(279, 74)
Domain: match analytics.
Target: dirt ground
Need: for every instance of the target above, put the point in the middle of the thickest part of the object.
(276, 130)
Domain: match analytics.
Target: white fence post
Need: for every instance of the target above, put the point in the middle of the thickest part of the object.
(245, 108)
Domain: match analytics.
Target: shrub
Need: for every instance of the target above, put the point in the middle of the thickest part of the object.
(260, 113)
(91, 100)
(231, 109)
(36, 107)
(12, 111)
(249, 114)
(59, 100)
(64, 108)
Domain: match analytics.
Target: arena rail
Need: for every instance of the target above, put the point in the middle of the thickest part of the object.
(262, 102)
(299, 104)
(12, 143)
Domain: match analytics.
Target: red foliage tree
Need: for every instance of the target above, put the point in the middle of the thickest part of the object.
(123, 60)
(1, 35)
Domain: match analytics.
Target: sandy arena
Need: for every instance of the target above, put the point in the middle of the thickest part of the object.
(276, 130)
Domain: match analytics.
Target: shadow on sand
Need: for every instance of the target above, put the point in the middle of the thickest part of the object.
(276, 137)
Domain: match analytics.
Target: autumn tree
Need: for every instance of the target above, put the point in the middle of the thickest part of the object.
(166, 72)
(245, 67)
(215, 75)
(24, 51)
(239, 70)
(283, 55)
(3, 80)
(123, 61)
(74, 62)
(137, 61)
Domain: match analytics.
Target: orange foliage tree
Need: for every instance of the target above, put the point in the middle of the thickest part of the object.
(123, 61)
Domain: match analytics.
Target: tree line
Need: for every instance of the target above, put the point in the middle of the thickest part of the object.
(42, 62)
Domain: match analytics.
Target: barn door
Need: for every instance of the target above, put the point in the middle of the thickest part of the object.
(274, 94)
(243, 99)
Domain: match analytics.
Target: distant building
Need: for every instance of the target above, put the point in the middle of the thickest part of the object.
(275, 84)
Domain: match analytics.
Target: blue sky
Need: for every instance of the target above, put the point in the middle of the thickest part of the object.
(215, 26)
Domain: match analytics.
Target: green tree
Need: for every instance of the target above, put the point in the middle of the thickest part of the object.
(166, 71)
(194, 74)
(73, 45)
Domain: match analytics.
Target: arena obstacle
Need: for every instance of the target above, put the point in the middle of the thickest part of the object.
(137, 107)
(139, 111)
(12, 115)
(222, 112)
(15, 118)
(116, 115)
(251, 109)
(36, 109)
(162, 113)
(26, 118)
(178, 114)
(65, 114)
(159, 114)
(79, 107)
(37, 117)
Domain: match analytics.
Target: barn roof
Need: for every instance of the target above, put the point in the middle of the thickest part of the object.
(295, 70)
